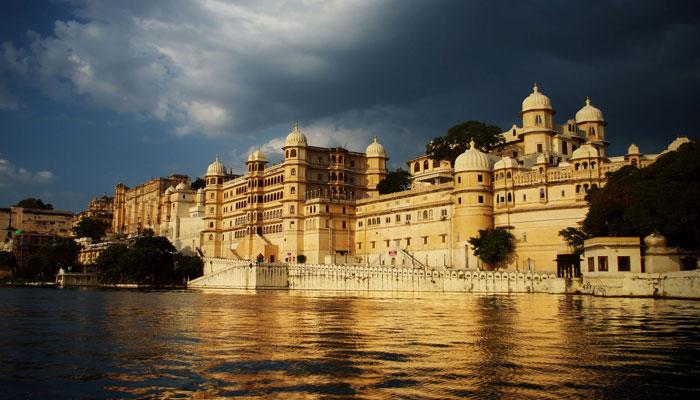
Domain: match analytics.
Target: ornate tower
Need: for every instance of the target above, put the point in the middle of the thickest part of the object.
(591, 123)
(473, 204)
(376, 164)
(295, 187)
(538, 123)
(214, 179)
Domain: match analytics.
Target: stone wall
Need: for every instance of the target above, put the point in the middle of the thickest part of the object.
(680, 284)
(220, 273)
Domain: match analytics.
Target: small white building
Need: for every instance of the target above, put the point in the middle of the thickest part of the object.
(612, 255)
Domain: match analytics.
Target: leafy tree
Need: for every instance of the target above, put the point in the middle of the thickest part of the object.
(198, 183)
(8, 261)
(31, 202)
(115, 265)
(45, 261)
(663, 197)
(188, 267)
(493, 246)
(574, 237)
(397, 180)
(90, 227)
(154, 258)
(456, 141)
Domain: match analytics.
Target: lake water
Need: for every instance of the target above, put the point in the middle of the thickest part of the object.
(110, 344)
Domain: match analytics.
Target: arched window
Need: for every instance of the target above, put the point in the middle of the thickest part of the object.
(416, 167)
(592, 164)
(513, 132)
(538, 120)
(508, 175)
(584, 165)
(293, 190)
(291, 209)
(541, 193)
(286, 153)
(585, 187)
(425, 215)
(293, 172)
(293, 153)
(578, 188)
(576, 166)
(591, 131)
(425, 165)
(510, 197)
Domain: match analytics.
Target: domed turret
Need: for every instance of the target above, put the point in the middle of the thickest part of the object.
(375, 149)
(216, 168)
(472, 160)
(506, 162)
(585, 151)
(295, 138)
(589, 113)
(536, 101)
(181, 186)
(633, 149)
(257, 155)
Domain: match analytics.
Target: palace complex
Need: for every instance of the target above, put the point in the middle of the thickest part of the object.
(322, 205)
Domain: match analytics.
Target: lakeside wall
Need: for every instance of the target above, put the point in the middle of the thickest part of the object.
(679, 284)
(230, 274)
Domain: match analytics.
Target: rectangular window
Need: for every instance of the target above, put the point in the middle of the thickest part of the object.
(425, 240)
(374, 244)
(398, 217)
(359, 245)
(387, 243)
(602, 263)
(344, 226)
(565, 148)
(539, 147)
(444, 238)
(408, 217)
(481, 199)
(408, 242)
(591, 264)
(623, 263)
(479, 178)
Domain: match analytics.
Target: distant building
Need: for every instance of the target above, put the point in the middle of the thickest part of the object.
(322, 203)
(99, 208)
(138, 208)
(24, 229)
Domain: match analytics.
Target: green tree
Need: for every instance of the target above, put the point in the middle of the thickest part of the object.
(45, 261)
(493, 246)
(188, 267)
(90, 227)
(198, 183)
(663, 197)
(31, 202)
(397, 180)
(456, 140)
(153, 258)
(574, 237)
(115, 265)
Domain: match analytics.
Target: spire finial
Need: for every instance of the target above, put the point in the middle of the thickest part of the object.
(472, 145)
(375, 139)
(296, 126)
(217, 157)
(588, 101)
(535, 88)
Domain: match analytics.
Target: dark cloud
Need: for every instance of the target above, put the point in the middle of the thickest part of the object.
(404, 70)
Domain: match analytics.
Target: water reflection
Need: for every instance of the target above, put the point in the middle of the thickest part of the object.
(88, 344)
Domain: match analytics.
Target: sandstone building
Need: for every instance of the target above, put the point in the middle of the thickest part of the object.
(322, 203)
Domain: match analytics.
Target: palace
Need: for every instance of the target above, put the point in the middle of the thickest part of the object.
(321, 205)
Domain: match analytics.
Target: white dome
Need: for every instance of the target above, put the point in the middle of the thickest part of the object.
(169, 189)
(506, 162)
(295, 138)
(585, 151)
(216, 168)
(536, 101)
(257, 155)
(472, 160)
(633, 149)
(375, 149)
(589, 113)
(181, 186)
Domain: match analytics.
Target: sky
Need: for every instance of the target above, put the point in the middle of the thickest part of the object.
(93, 93)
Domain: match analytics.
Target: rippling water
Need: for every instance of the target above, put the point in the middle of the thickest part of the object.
(96, 344)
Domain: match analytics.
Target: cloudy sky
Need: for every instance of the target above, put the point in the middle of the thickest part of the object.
(93, 93)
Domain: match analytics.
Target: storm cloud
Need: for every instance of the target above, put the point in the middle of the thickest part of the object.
(402, 70)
